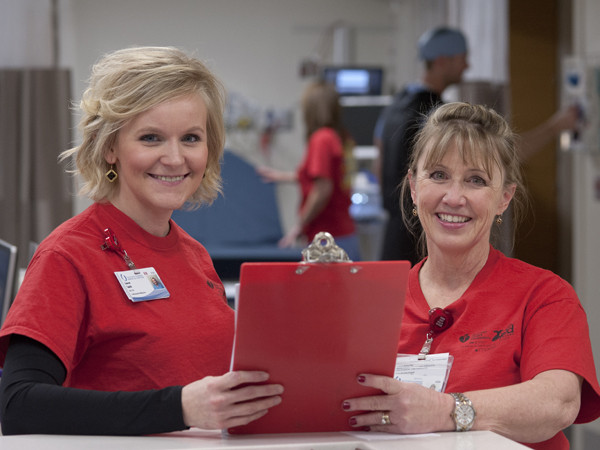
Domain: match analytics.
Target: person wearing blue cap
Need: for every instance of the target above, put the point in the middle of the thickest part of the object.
(444, 51)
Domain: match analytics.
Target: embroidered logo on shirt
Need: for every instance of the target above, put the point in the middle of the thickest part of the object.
(501, 333)
(219, 288)
(484, 341)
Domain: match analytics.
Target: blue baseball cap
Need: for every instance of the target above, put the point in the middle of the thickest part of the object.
(441, 41)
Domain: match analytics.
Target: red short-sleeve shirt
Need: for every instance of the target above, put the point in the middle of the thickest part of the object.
(72, 302)
(514, 322)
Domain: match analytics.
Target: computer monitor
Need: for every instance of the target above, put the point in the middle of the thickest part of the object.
(8, 264)
(355, 80)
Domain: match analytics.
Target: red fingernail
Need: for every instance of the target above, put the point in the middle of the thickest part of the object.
(346, 405)
(361, 378)
(352, 421)
(367, 429)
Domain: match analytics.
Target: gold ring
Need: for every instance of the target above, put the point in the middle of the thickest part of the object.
(385, 418)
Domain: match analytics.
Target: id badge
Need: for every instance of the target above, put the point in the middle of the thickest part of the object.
(431, 372)
(141, 285)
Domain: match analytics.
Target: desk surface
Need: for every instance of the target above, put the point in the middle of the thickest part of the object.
(200, 439)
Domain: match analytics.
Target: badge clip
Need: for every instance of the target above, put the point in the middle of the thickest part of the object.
(112, 243)
(439, 320)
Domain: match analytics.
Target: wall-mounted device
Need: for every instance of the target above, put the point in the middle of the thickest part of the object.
(574, 93)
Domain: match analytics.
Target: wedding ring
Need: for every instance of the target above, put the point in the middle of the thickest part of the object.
(385, 418)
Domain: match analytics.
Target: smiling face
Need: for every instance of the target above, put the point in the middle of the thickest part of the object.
(160, 156)
(457, 202)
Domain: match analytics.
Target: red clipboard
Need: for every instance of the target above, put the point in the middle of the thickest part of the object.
(314, 327)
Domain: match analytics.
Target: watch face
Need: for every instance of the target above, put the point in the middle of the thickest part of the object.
(465, 414)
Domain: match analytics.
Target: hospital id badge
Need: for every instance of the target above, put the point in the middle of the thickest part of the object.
(432, 371)
(141, 285)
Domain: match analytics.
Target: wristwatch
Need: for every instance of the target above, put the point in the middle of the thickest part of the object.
(464, 414)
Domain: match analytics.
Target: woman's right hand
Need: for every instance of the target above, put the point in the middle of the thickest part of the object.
(270, 175)
(217, 402)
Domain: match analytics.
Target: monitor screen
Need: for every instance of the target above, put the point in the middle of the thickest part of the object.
(8, 264)
(355, 80)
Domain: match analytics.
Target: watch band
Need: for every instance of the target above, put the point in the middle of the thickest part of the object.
(464, 414)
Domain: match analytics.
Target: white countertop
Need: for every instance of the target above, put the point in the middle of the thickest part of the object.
(201, 439)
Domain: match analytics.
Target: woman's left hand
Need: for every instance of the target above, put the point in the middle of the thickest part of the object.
(412, 408)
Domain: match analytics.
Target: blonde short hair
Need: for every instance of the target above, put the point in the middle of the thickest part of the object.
(481, 135)
(128, 82)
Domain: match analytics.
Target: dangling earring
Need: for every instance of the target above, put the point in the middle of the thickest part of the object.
(414, 211)
(499, 219)
(111, 175)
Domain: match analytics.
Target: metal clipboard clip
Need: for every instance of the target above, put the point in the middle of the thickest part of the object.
(323, 249)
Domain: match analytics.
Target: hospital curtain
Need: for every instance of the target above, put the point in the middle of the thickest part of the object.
(35, 191)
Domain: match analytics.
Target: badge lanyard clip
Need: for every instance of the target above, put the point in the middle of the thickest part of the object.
(112, 243)
(439, 320)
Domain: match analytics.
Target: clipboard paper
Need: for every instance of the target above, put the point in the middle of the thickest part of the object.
(314, 327)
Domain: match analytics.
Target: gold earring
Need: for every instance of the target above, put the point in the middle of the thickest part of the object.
(414, 211)
(499, 219)
(111, 175)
